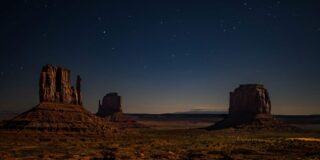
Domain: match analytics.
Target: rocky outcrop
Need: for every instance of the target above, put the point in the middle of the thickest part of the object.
(250, 107)
(250, 99)
(111, 103)
(57, 117)
(110, 110)
(59, 108)
(55, 86)
(78, 89)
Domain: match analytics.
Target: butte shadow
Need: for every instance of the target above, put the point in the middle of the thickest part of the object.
(250, 108)
(60, 107)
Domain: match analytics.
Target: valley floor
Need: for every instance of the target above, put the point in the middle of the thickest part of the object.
(147, 143)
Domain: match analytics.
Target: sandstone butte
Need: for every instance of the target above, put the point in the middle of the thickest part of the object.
(111, 104)
(111, 110)
(60, 107)
(250, 108)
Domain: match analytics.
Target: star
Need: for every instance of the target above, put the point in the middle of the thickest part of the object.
(21, 68)
(106, 33)
(99, 18)
(173, 56)
(2, 74)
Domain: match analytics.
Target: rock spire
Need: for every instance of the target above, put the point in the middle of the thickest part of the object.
(55, 86)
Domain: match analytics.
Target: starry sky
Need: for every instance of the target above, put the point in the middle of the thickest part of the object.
(164, 56)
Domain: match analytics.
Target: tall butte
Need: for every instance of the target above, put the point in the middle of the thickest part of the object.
(249, 107)
(110, 109)
(60, 107)
(55, 86)
(250, 101)
(111, 104)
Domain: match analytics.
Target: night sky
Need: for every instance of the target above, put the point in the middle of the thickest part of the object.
(164, 56)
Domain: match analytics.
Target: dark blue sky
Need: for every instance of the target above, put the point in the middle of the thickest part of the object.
(164, 56)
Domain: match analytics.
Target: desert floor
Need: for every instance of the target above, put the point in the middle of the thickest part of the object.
(162, 141)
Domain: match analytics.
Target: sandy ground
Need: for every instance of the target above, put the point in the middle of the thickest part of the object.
(175, 124)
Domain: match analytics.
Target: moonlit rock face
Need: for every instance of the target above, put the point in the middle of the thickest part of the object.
(55, 86)
(250, 108)
(250, 99)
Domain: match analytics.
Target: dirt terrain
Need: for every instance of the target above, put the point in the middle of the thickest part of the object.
(161, 141)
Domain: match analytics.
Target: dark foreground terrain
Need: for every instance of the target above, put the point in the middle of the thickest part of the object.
(164, 142)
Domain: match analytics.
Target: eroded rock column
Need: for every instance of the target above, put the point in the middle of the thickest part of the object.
(55, 86)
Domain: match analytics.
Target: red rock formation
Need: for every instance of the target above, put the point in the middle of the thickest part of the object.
(250, 99)
(250, 107)
(47, 86)
(60, 107)
(110, 110)
(57, 117)
(55, 86)
(79, 90)
(111, 103)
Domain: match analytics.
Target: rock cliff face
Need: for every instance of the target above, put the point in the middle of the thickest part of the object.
(78, 89)
(250, 107)
(55, 86)
(111, 103)
(250, 99)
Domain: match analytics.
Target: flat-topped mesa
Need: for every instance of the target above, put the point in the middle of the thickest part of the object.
(249, 99)
(111, 103)
(250, 107)
(55, 86)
